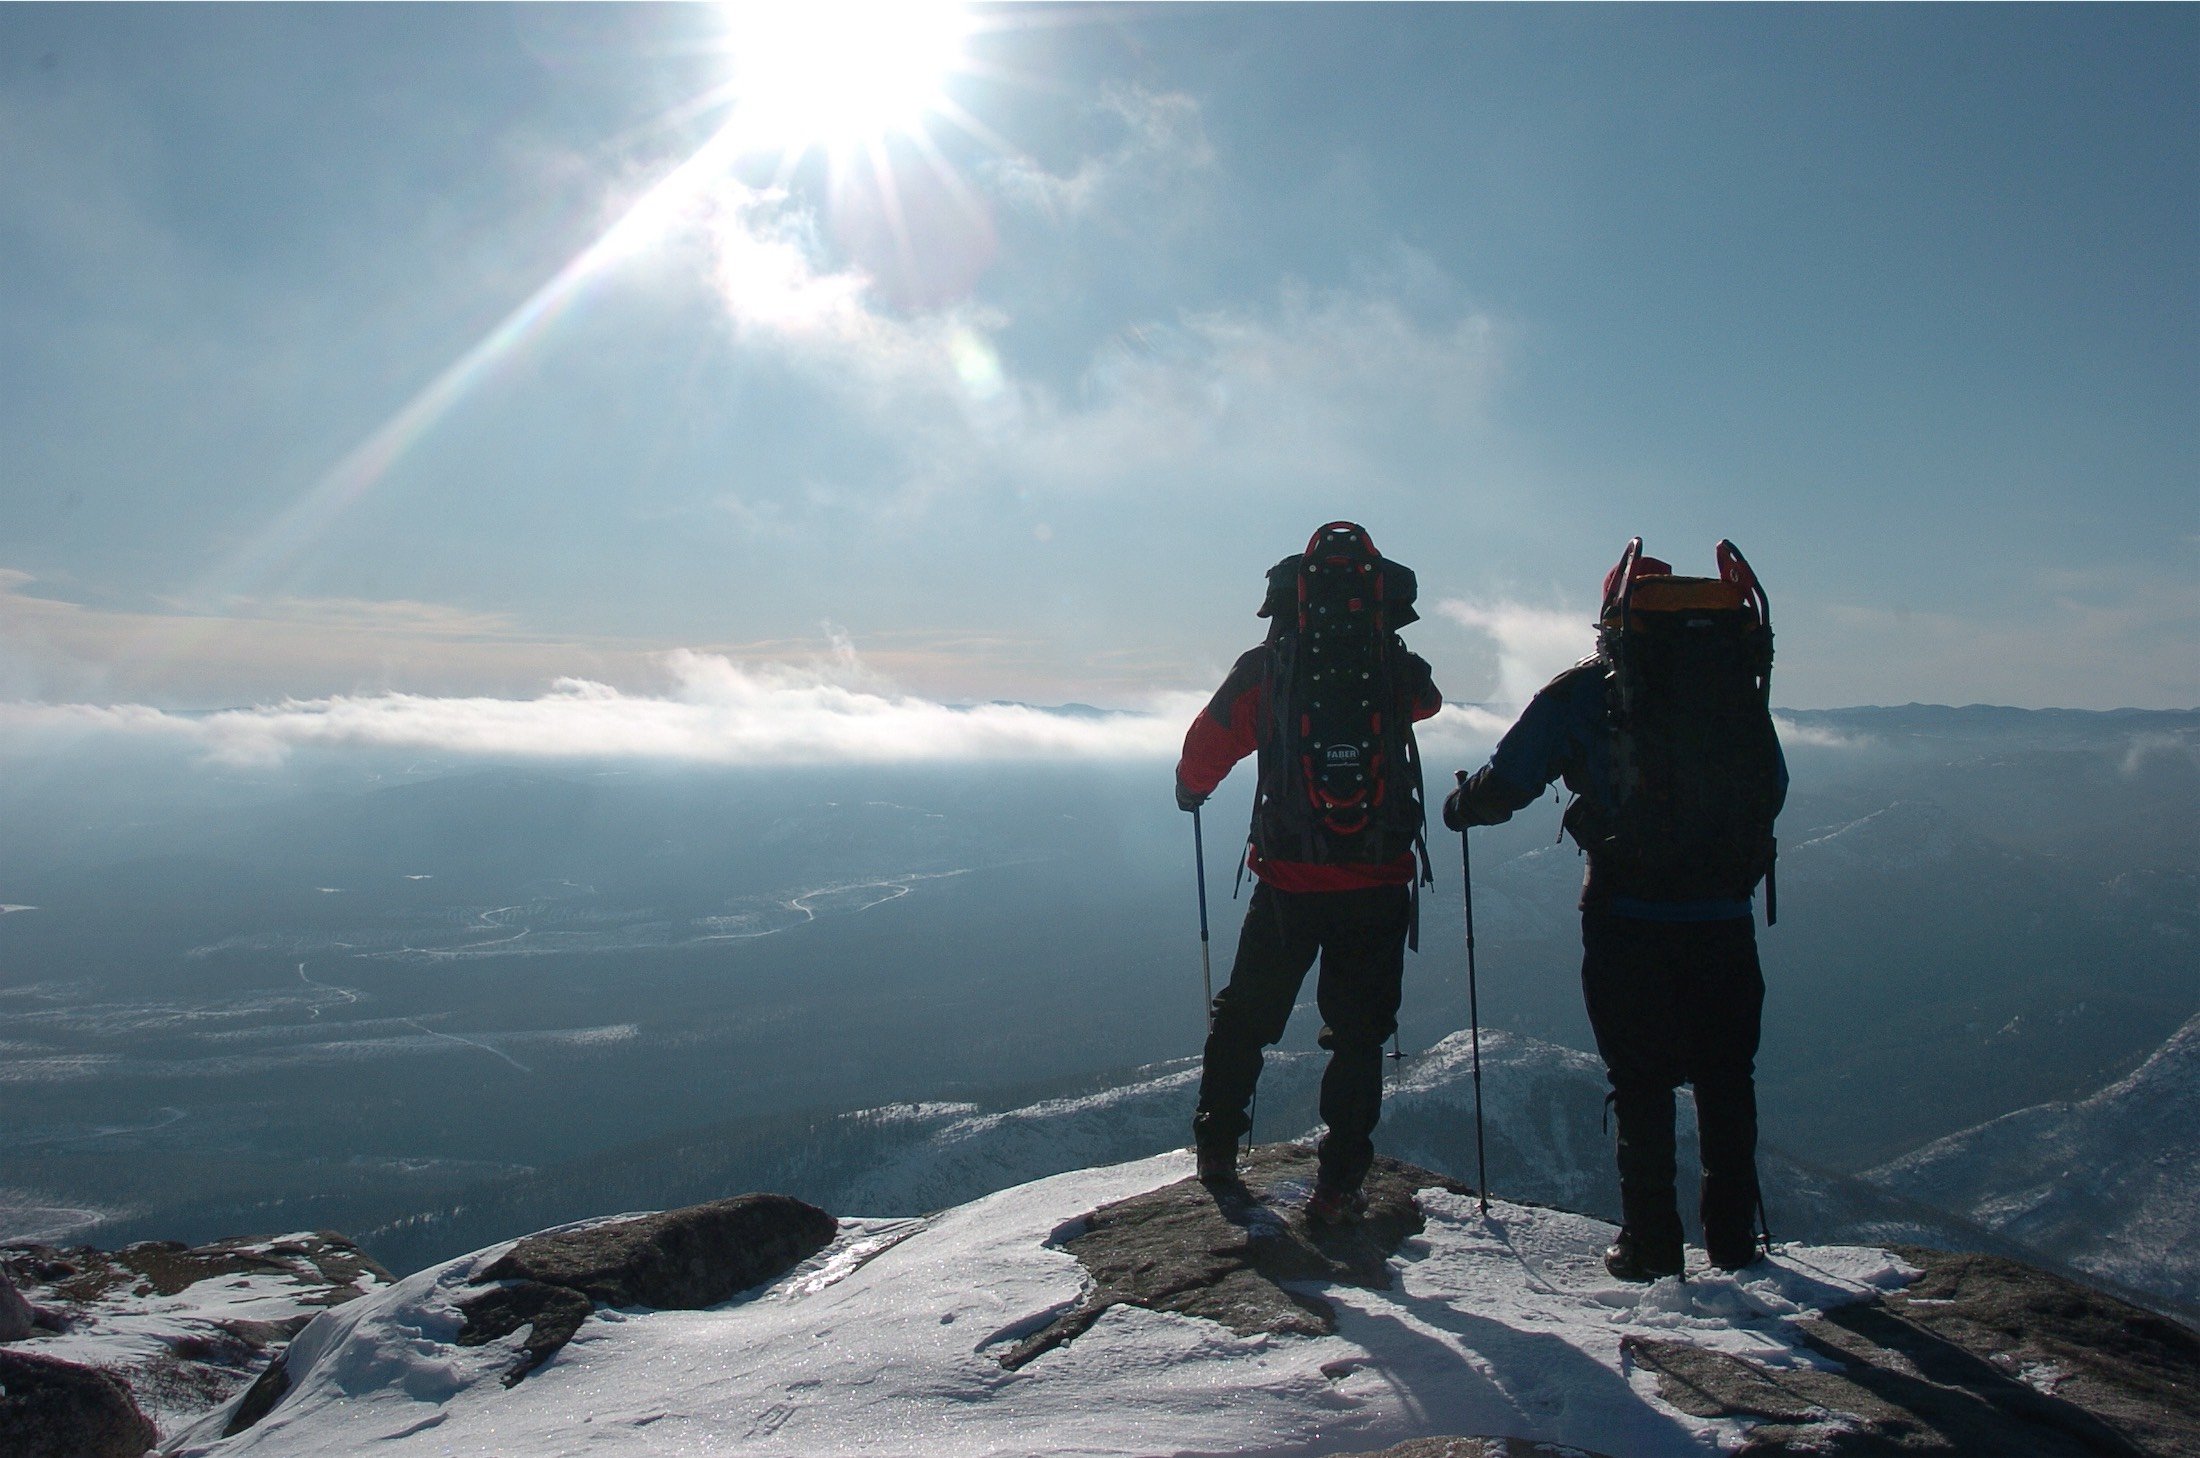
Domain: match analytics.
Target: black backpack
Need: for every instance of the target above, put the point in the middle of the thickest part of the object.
(1340, 773)
(1695, 760)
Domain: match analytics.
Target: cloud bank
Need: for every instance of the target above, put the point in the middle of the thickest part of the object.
(716, 712)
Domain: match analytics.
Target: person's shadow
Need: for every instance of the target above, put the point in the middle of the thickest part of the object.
(1495, 1380)
(1448, 1370)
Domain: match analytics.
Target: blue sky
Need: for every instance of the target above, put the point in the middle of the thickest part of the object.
(1903, 300)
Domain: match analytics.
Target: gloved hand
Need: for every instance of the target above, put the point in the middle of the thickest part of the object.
(1188, 800)
(1458, 813)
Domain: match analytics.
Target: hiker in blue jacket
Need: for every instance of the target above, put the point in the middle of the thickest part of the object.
(1677, 775)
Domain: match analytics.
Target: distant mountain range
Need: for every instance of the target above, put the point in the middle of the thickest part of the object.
(2109, 1184)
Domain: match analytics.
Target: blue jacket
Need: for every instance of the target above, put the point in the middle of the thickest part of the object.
(1565, 733)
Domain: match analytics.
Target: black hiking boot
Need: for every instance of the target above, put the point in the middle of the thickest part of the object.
(1729, 1209)
(1733, 1251)
(1217, 1163)
(1331, 1205)
(1632, 1259)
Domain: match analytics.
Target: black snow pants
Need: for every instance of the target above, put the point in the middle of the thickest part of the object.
(1360, 936)
(1675, 1002)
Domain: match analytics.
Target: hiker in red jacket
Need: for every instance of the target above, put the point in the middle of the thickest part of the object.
(1336, 846)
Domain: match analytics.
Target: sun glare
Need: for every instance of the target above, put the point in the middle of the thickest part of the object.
(840, 76)
(839, 73)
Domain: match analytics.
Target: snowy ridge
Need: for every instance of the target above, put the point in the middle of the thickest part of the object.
(974, 1153)
(1543, 1111)
(1538, 1092)
(1542, 1105)
(887, 1341)
(2104, 1183)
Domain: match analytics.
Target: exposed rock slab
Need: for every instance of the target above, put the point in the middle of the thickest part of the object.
(551, 1314)
(260, 1399)
(1226, 1254)
(2137, 1370)
(82, 1275)
(55, 1409)
(1979, 1355)
(678, 1260)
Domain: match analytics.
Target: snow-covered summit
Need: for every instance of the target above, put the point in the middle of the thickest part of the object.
(1129, 1310)
(888, 1341)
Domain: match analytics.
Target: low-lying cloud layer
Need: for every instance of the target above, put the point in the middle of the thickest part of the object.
(714, 712)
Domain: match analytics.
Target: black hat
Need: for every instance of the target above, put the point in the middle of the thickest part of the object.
(1283, 587)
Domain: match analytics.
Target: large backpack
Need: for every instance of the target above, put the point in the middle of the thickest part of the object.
(1340, 773)
(1695, 761)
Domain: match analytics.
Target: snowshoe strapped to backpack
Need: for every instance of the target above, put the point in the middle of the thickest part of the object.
(1341, 775)
(1695, 761)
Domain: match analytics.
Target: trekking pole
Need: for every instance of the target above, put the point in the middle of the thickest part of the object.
(1199, 863)
(1474, 1016)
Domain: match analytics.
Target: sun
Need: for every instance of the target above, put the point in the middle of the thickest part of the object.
(839, 73)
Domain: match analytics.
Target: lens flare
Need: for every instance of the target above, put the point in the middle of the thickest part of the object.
(841, 75)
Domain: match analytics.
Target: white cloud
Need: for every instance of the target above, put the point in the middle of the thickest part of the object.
(1816, 736)
(716, 711)
(832, 709)
(1322, 385)
(2147, 747)
(1533, 644)
(1459, 737)
(1161, 142)
(1318, 388)
(909, 376)
(763, 249)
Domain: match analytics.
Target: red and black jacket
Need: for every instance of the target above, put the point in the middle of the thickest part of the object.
(1234, 724)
